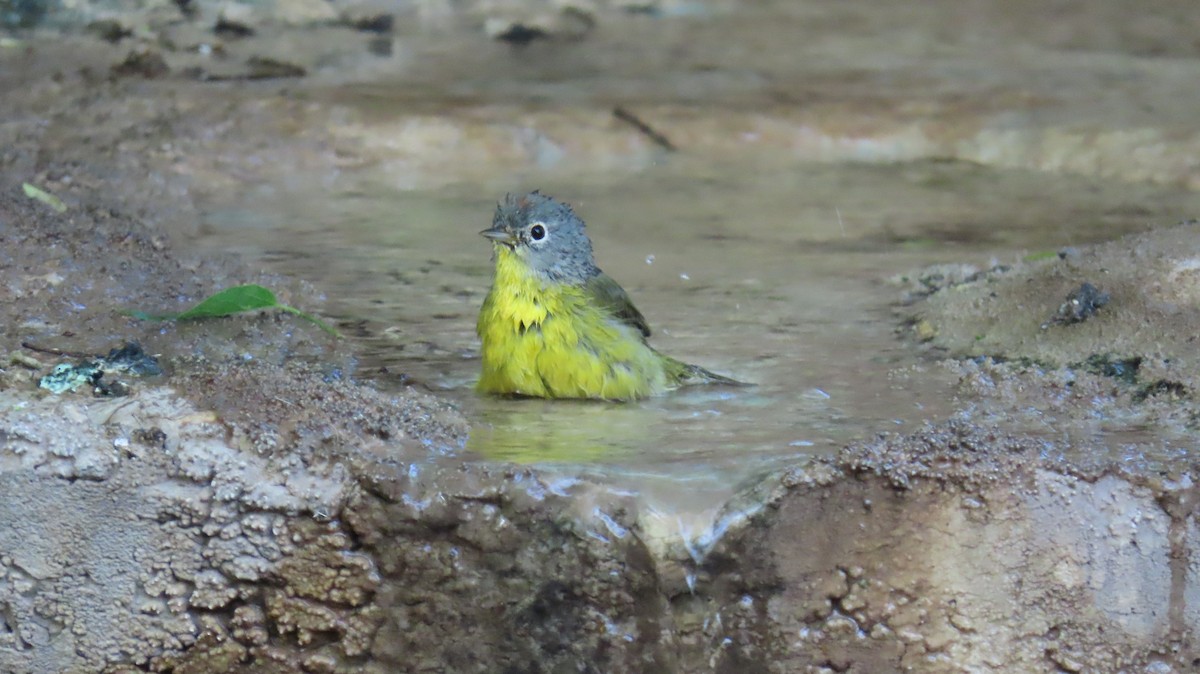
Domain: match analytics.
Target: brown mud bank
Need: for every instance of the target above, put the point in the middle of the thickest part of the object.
(246, 512)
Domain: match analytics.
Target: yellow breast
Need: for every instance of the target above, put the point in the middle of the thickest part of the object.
(548, 340)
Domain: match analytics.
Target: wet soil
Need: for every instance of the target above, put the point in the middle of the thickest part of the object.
(280, 501)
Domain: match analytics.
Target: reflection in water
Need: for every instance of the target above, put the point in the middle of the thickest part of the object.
(684, 453)
(563, 432)
(706, 423)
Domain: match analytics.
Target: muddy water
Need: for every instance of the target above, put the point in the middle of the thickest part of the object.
(774, 275)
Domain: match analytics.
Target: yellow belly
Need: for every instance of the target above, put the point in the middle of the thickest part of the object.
(547, 340)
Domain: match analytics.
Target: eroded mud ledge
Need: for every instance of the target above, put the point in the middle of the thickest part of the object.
(140, 536)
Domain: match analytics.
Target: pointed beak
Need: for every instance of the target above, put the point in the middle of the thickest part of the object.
(500, 234)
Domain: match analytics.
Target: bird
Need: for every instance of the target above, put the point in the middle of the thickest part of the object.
(554, 326)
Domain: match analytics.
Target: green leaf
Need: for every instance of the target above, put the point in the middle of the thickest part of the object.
(35, 192)
(231, 301)
(1040, 255)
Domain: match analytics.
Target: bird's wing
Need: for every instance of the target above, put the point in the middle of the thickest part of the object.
(612, 297)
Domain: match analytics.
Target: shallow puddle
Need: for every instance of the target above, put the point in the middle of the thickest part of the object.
(770, 275)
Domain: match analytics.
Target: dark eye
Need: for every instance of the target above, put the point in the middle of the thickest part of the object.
(537, 232)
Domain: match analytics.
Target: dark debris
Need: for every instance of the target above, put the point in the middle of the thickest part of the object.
(146, 63)
(520, 34)
(1108, 365)
(128, 359)
(1081, 305)
(375, 23)
(133, 359)
(109, 30)
(645, 129)
(232, 29)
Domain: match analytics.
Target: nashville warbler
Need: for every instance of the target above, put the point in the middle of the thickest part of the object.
(555, 326)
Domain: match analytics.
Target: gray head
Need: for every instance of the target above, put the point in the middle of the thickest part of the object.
(547, 234)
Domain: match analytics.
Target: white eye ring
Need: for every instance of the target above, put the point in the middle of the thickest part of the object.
(537, 231)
